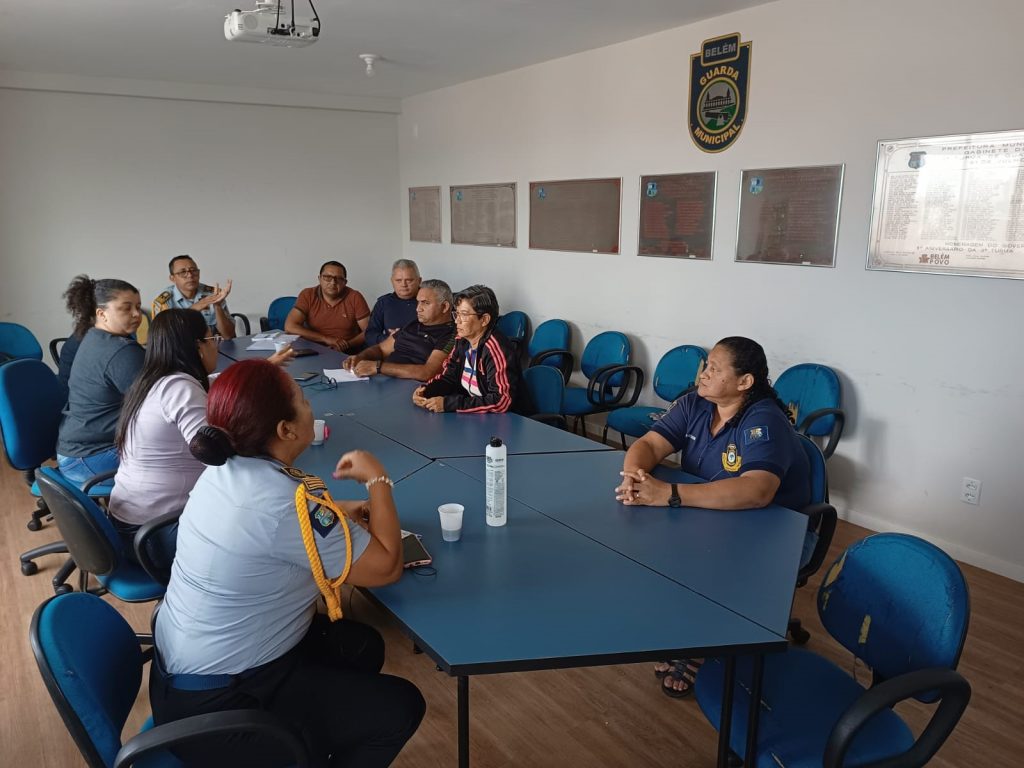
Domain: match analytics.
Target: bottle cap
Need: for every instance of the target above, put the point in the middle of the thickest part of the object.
(495, 442)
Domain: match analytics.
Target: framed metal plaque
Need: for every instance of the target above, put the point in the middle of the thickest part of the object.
(677, 215)
(576, 215)
(951, 205)
(790, 215)
(484, 214)
(425, 214)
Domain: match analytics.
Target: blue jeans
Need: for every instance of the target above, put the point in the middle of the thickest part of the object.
(78, 469)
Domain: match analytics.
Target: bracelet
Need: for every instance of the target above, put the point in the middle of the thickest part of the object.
(379, 479)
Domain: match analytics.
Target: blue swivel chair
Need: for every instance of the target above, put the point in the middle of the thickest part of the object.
(18, 343)
(814, 398)
(91, 663)
(901, 606)
(546, 389)
(605, 365)
(276, 313)
(515, 325)
(821, 527)
(675, 375)
(93, 543)
(550, 346)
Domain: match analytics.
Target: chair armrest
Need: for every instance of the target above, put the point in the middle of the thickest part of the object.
(95, 480)
(215, 724)
(952, 690)
(54, 352)
(568, 362)
(158, 571)
(245, 321)
(264, 324)
(552, 419)
(822, 520)
(837, 427)
(598, 389)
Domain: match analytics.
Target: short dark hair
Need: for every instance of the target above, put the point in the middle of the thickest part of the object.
(337, 264)
(170, 264)
(483, 301)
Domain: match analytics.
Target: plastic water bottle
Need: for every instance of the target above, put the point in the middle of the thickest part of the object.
(496, 482)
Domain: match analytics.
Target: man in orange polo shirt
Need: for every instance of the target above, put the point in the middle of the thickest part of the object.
(330, 313)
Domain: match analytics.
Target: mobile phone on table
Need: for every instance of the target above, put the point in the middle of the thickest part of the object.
(305, 352)
(414, 554)
(305, 376)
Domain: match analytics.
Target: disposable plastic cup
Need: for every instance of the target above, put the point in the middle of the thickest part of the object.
(281, 346)
(319, 426)
(451, 521)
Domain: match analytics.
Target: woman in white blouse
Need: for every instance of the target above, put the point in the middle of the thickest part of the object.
(162, 412)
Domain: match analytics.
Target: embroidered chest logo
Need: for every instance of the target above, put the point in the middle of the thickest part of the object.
(731, 460)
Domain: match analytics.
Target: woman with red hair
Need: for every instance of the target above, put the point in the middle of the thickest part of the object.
(238, 628)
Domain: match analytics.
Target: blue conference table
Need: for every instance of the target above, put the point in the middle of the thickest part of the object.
(746, 560)
(536, 594)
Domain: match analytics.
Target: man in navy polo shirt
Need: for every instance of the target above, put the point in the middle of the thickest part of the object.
(393, 311)
(418, 350)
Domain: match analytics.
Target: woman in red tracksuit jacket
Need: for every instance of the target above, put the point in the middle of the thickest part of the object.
(482, 374)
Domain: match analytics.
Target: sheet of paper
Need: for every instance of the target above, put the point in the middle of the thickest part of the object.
(342, 376)
(268, 343)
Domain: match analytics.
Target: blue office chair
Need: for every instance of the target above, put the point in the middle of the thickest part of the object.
(93, 543)
(821, 527)
(675, 375)
(276, 313)
(238, 316)
(515, 325)
(605, 365)
(814, 398)
(901, 606)
(18, 343)
(546, 388)
(550, 346)
(91, 662)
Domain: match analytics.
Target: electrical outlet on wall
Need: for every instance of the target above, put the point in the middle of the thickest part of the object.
(970, 490)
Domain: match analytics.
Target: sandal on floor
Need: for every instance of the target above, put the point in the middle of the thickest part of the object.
(662, 673)
(685, 671)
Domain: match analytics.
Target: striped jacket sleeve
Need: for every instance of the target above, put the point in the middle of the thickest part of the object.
(496, 386)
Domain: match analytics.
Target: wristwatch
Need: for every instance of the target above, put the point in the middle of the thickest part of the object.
(674, 500)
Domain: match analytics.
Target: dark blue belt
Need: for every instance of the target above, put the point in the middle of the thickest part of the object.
(193, 682)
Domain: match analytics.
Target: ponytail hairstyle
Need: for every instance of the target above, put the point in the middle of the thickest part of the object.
(748, 357)
(83, 296)
(172, 347)
(246, 403)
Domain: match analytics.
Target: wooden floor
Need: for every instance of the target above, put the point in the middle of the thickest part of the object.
(607, 716)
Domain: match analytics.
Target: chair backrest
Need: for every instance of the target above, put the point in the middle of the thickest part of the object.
(17, 343)
(807, 387)
(31, 400)
(678, 370)
(91, 663)
(818, 473)
(551, 334)
(92, 542)
(278, 311)
(142, 332)
(546, 387)
(514, 325)
(608, 348)
(898, 603)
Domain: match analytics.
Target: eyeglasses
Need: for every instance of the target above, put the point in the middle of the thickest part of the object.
(320, 383)
(216, 338)
(333, 279)
(456, 314)
(187, 272)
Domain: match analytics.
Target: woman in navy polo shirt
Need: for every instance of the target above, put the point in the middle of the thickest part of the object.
(734, 432)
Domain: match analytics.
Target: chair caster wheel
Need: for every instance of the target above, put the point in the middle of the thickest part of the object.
(29, 568)
(63, 589)
(34, 525)
(800, 636)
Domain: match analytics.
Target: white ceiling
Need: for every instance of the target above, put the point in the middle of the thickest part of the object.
(424, 44)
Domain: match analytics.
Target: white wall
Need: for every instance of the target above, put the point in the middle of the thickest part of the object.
(932, 365)
(114, 186)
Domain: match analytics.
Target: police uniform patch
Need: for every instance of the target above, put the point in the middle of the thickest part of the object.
(755, 435)
(731, 459)
(719, 80)
(323, 520)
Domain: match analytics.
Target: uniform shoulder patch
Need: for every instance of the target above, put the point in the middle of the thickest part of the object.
(163, 300)
(755, 435)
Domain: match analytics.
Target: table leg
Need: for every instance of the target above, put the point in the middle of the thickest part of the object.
(463, 721)
(725, 726)
(754, 716)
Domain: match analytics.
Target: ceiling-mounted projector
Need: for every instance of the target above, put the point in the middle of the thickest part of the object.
(271, 24)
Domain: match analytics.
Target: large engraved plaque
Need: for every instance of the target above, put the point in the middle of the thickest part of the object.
(484, 214)
(425, 214)
(677, 215)
(575, 215)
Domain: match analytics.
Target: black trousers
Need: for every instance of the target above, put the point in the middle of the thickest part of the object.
(328, 688)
